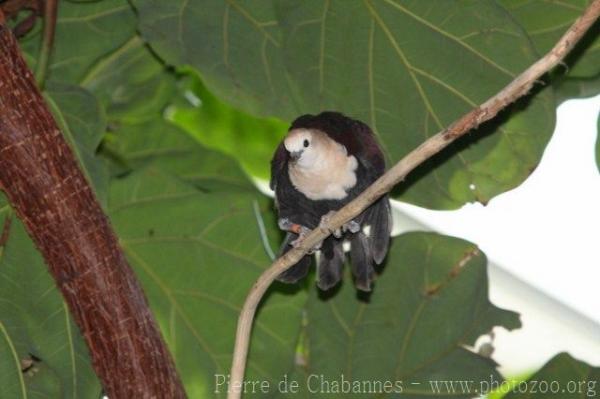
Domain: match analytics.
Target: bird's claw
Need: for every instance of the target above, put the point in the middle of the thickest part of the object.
(352, 226)
(325, 219)
(302, 231)
(285, 224)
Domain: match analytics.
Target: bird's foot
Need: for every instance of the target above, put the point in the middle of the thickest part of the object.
(302, 231)
(301, 235)
(286, 224)
(352, 226)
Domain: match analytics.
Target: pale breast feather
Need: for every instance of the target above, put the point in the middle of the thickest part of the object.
(326, 180)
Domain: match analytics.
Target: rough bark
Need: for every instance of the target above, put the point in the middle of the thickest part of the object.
(43, 182)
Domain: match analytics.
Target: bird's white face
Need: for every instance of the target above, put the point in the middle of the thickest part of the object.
(303, 146)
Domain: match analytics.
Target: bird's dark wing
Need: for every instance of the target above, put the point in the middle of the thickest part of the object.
(278, 164)
(366, 149)
(300, 269)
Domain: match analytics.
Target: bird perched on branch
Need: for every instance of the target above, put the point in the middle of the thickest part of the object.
(323, 163)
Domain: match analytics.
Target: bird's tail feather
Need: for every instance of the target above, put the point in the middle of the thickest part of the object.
(300, 269)
(361, 258)
(379, 217)
(330, 264)
(366, 250)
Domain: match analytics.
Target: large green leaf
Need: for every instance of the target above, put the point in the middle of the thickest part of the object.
(185, 219)
(159, 142)
(429, 303)
(566, 89)
(249, 139)
(135, 88)
(240, 39)
(86, 32)
(132, 84)
(546, 21)
(11, 376)
(197, 255)
(563, 377)
(35, 321)
(407, 68)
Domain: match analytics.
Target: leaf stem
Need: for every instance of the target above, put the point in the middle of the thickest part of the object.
(263, 231)
(520, 86)
(50, 13)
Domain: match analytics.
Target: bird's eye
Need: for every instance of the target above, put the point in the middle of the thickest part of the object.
(306, 143)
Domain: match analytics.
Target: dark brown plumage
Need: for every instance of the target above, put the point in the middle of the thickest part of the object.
(324, 162)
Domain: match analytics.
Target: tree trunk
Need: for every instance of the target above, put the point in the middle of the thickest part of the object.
(43, 182)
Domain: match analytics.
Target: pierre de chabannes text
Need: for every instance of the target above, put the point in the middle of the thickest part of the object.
(319, 383)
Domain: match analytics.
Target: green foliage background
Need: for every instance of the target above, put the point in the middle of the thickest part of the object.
(173, 107)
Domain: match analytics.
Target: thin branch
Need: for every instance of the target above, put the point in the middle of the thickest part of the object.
(486, 111)
(50, 13)
(12, 9)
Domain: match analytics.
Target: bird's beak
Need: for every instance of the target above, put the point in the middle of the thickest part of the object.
(295, 155)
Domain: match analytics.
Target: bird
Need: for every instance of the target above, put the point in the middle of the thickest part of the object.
(324, 162)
